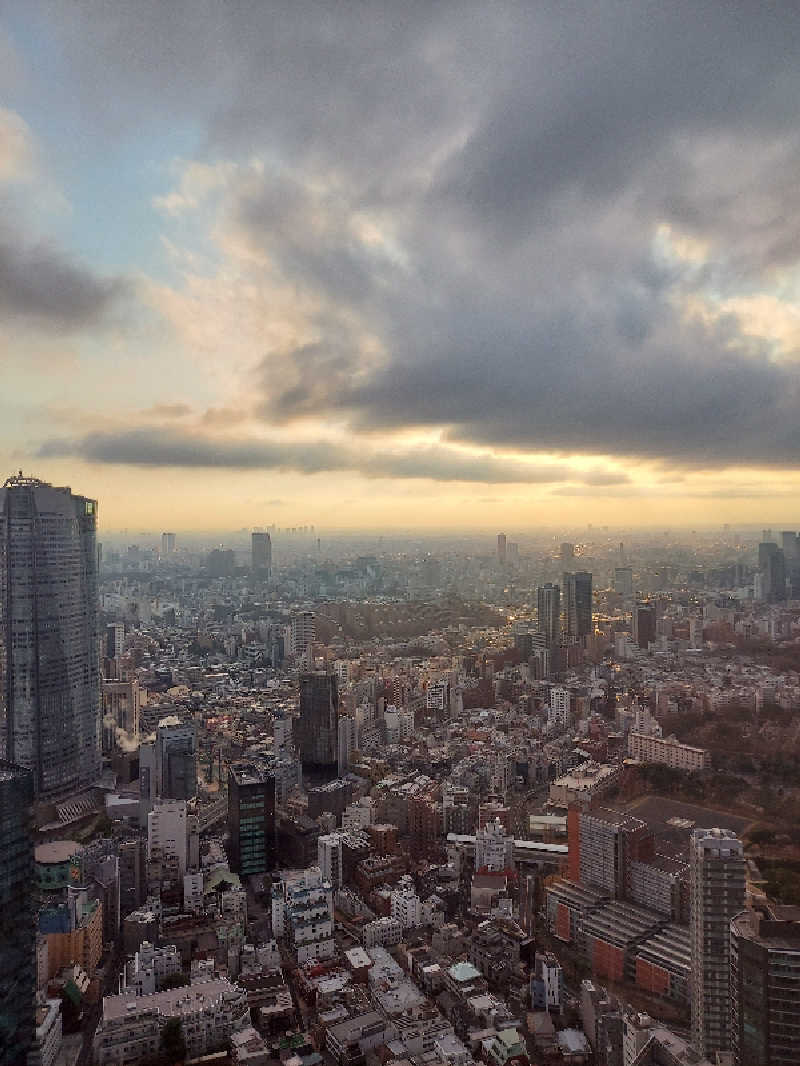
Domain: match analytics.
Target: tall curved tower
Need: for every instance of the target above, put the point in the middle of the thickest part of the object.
(49, 641)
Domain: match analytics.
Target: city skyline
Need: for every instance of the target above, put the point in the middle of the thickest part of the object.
(503, 264)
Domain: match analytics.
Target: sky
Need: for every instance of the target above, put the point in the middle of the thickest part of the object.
(398, 265)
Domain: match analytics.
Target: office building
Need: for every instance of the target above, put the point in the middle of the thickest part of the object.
(49, 636)
(168, 764)
(644, 625)
(717, 883)
(17, 918)
(319, 727)
(501, 548)
(167, 544)
(115, 640)
(251, 818)
(548, 600)
(765, 986)
(578, 604)
(261, 553)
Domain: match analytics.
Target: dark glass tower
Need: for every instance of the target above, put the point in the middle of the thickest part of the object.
(548, 602)
(578, 596)
(49, 659)
(251, 818)
(17, 920)
(319, 727)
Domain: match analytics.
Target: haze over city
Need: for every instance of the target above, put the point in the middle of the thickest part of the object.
(402, 265)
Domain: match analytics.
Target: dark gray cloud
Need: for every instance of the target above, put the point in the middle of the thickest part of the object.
(39, 282)
(169, 447)
(520, 160)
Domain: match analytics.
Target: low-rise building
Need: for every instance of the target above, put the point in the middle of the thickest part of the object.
(667, 750)
(130, 1028)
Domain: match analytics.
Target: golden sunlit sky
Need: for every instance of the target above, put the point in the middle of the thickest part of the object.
(402, 265)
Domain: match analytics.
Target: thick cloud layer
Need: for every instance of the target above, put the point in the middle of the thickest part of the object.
(164, 447)
(530, 225)
(40, 282)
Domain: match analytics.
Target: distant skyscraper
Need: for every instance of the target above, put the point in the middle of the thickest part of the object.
(578, 603)
(167, 543)
(772, 568)
(17, 918)
(548, 600)
(49, 638)
(789, 546)
(319, 726)
(251, 818)
(501, 548)
(261, 552)
(623, 581)
(716, 871)
(567, 551)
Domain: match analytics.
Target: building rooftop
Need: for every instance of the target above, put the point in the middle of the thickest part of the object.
(57, 851)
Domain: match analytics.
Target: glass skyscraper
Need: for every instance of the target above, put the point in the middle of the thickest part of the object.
(17, 919)
(49, 641)
(319, 727)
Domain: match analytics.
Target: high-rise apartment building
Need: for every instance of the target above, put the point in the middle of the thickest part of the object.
(501, 548)
(578, 604)
(303, 632)
(17, 918)
(49, 637)
(319, 726)
(251, 818)
(548, 600)
(261, 552)
(167, 544)
(765, 986)
(717, 882)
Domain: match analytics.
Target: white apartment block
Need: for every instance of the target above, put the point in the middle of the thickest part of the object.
(406, 905)
(329, 858)
(359, 815)
(302, 914)
(193, 892)
(399, 724)
(558, 709)
(171, 830)
(130, 1028)
(149, 967)
(303, 632)
(48, 1036)
(667, 750)
(382, 933)
(494, 848)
